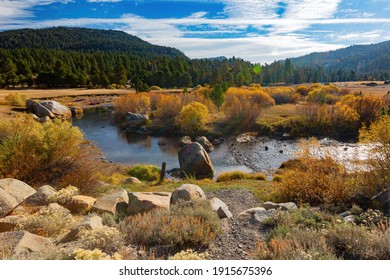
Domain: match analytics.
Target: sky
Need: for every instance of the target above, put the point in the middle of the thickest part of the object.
(260, 31)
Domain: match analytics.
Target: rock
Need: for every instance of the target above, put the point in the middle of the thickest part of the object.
(286, 136)
(345, 214)
(216, 142)
(256, 215)
(60, 111)
(131, 180)
(41, 197)
(140, 202)
(187, 192)
(12, 193)
(38, 109)
(266, 148)
(111, 202)
(350, 219)
(381, 201)
(136, 120)
(195, 162)
(220, 208)
(245, 138)
(361, 200)
(76, 111)
(185, 140)
(23, 242)
(9, 223)
(205, 143)
(161, 143)
(280, 151)
(283, 206)
(88, 223)
(80, 203)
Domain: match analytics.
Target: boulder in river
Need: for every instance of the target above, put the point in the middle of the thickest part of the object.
(38, 109)
(136, 120)
(185, 140)
(60, 111)
(195, 162)
(205, 143)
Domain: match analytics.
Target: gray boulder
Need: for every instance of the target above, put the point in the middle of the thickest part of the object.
(187, 192)
(41, 197)
(23, 243)
(112, 202)
(38, 109)
(195, 162)
(205, 143)
(136, 120)
(256, 215)
(140, 202)
(60, 111)
(12, 193)
(220, 208)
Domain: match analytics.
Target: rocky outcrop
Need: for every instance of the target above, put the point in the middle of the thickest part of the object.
(38, 109)
(195, 162)
(134, 120)
(23, 242)
(140, 202)
(60, 111)
(112, 202)
(282, 206)
(12, 193)
(80, 203)
(187, 192)
(9, 223)
(220, 208)
(88, 223)
(185, 140)
(41, 197)
(205, 143)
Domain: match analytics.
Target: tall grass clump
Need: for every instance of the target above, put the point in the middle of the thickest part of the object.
(184, 226)
(15, 99)
(54, 153)
(239, 175)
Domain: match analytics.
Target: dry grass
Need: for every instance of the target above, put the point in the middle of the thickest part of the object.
(239, 175)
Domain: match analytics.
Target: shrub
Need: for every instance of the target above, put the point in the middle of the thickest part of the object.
(186, 225)
(239, 175)
(49, 222)
(145, 172)
(54, 153)
(192, 118)
(107, 239)
(155, 88)
(189, 254)
(168, 107)
(15, 99)
(135, 103)
(283, 95)
(64, 195)
(96, 254)
(367, 107)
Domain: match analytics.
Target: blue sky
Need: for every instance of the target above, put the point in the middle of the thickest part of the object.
(256, 30)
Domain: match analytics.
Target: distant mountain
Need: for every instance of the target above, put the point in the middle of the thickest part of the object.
(358, 58)
(82, 39)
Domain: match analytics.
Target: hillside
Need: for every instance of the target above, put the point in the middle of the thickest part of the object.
(81, 39)
(358, 58)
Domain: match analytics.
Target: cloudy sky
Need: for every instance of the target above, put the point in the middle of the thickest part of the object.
(256, 30)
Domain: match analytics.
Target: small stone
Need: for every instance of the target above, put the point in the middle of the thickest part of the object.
(187, 192)
(131, 180)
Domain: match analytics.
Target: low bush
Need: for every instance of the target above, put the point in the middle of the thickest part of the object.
(134, 103)
(239, 175)
(184, 226)
(189, 254)
(64, 195)
(192, 118)
(145, 172)
(54, 153)
(107, 239)
(96, 254)
(15, 99)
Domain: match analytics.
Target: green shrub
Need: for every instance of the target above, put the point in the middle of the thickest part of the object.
(186, 225)
(239, 175)
(54, 153)
(145, 172)
(64, 195)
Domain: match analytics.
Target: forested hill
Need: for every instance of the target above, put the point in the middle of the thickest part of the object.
(359, 58)
(82, 39)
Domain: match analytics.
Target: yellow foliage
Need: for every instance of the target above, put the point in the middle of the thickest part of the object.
(168, 107)
(15, 99)
(134, 102)
(192, 118)
(367, 107)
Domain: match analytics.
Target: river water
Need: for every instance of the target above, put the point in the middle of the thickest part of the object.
(261, 155)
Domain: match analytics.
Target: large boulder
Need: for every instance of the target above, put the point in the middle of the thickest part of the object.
(80, 203)
(195, 162)
(60, 111)
(23, 243)
(112, 202)
(38, 109)
(9, 223)
(381, 201)
(205, 143)
(187, 192)
(136, 120)
(12, 193)
(140, 202)
(88, 223)
(220, 208)
(41, 197)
